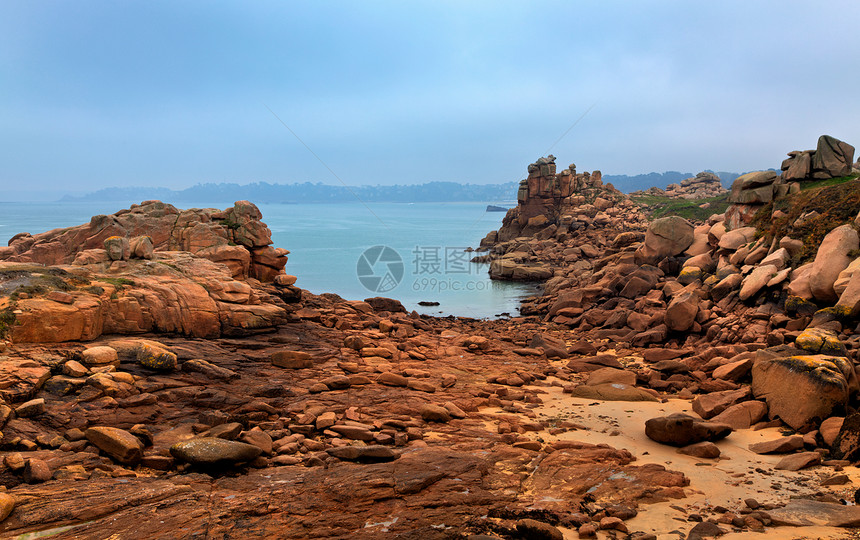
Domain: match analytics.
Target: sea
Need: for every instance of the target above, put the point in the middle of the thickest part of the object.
(414, 252)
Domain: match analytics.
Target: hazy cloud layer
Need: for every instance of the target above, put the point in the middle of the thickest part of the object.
(96, 94)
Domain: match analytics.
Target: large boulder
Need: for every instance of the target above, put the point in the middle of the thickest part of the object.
(756, 280)
(665, 237)
(832, 158)
(831, 259)
(214, 452)
(752, 188)
(682, 430)
(801, 390)
(682, 311)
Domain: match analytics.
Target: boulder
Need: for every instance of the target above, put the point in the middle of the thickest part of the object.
(214, 452)
(140, 247)
(117, 443)
(831, 259)
(782, 445)
(756, 280)
(713, 403)
(365, 454)
(754, 187)
(100, 356)
(292, 359)
(849, 298)
(681, 312)
(832, 158)
(117, 248)
(742, 415)
(820, 341)
(683, 430)
(151, 355)
(800, 390)
(665, 237)
(736, 238)
(796, 462)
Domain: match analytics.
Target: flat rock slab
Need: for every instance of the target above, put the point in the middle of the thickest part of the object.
(365, 454)
(804, 513)
(795, 462)
(21, 378)
(782, 445)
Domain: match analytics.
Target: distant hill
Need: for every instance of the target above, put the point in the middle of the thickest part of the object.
(628, 184)
(307, 192)
(263, 192)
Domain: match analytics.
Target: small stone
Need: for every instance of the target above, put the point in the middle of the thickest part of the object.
(258, 438)
(705, 450)
(117, 443)
(538, 530)
(157, 358)
(705, 529)
(228, 431)
(73, 368)
(337, 382)
(587, 530)
(15, 461)
(7, 504)
(36, 471)
(31, 408)
(392, 379)
(613, 523)
(325, 420)
(292, 359)
(435, 413)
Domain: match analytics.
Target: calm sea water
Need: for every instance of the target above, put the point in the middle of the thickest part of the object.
(412, 252)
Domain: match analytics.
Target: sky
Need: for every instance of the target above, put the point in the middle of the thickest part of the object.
(96, 94)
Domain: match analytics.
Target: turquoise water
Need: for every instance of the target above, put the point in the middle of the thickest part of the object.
(326, 242)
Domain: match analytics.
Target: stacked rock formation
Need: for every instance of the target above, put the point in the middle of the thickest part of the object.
(702, 186)
(560, 217)
(832, 158)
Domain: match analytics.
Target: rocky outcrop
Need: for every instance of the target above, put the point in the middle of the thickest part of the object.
(133, 284)
(235, 237)
(751, 191)
(560, 217)
(704, 185)
(832, 158)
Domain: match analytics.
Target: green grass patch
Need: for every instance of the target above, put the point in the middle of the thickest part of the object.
(837, 202)
(7, 321)
(804, 186)
(118, 283)
(659, 206)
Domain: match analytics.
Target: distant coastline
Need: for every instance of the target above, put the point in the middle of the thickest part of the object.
(325, 193)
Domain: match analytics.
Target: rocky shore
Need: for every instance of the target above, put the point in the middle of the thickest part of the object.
(162, 377)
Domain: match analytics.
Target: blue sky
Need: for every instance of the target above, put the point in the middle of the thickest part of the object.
(97, 94)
